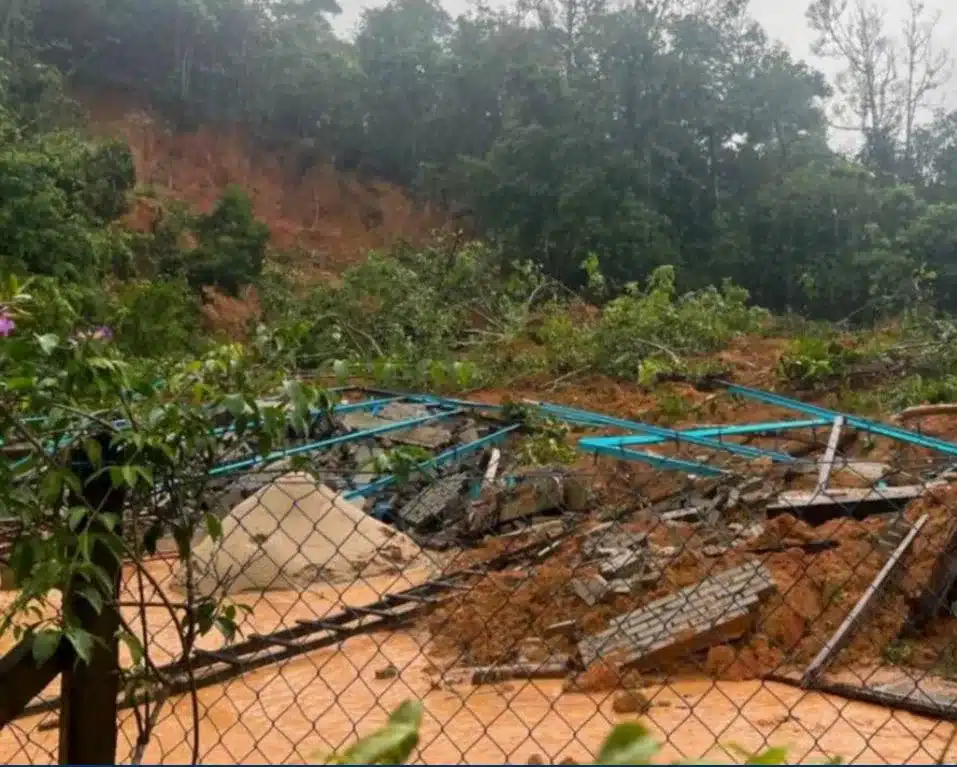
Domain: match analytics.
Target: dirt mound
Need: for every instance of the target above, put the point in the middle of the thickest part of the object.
(293, 532)
(333, 219)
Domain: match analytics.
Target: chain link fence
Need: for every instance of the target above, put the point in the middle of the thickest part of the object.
(733, 587)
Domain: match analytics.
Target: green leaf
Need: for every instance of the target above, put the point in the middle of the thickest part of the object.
(45, 644)
(77, 515)
(22, 558)
(769, 756)
(214, 527)
(48, 343)
(146, 473)
(94, 451)
(129, 474)
(84, 544)
(235, 404)
(137, 653)
(110, 521)
(394, 743)
(117, 478)
(21, 383)
(226, 627)
(51, 486)
(82, 642)
(628, 743)
(94, 597)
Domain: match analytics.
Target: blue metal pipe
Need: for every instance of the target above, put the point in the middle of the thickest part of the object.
(449, 456)
(864, 424)
(716, 431)
(231, 468)
(658, 461)
(665, 434)
(719, 431)
(769, 427)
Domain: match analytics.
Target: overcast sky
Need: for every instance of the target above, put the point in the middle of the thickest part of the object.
(782, 19)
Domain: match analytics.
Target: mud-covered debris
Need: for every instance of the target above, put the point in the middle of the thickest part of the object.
(715, 550)
(436, 502)
(854, 473)
(628, 585)
(591, 590)
(553, 669)
(688, 514)
(709, 612)
(562, 628)
(610, 539)
(623, 564)
(630, 702)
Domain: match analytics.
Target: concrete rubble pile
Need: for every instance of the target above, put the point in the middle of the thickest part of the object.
(630, 604)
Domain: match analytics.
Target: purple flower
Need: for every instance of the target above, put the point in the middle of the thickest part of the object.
(7, 325)
(103, 333)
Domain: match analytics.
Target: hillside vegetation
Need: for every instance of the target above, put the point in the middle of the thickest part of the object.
(529, 195)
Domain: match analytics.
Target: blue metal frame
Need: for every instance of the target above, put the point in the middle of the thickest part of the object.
(248, 463)
(449, 456)
(599, 443)
(658, 461)
(863, 424)
(770, 427)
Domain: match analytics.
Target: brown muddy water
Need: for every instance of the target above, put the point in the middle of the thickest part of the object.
(299, 711)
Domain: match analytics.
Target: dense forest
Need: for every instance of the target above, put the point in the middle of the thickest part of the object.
(590, 141)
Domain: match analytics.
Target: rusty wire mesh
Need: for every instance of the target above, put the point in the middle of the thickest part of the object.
(531, 609)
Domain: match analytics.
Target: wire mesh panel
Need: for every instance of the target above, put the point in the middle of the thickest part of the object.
(775, 586)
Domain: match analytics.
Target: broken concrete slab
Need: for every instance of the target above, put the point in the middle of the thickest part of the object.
(689, 514)
(542, 529)
(428, 436)
(628, 585)
(609, 539)
(818, 507)
(591, 590)
(699, 616)
(435, 502)
(623, 564)
(848, 472)
(533, 495)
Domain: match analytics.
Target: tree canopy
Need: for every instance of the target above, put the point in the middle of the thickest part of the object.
(647, 134)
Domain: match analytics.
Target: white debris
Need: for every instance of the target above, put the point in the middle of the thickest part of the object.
(293, 532)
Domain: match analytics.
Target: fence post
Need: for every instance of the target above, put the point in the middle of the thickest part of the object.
(21, 679)
(88, 714)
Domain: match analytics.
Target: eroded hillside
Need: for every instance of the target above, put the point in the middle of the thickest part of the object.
(331, 219)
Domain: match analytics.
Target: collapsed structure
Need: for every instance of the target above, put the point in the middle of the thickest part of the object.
(777, 551)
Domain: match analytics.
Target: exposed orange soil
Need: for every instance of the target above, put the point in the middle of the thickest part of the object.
(331, 218)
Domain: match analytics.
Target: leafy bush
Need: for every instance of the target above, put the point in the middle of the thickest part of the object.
(919, 390)
(640, 324)
(409, 307)
(628, 743)
(809, 360)
(231, 245)
(156, 318)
